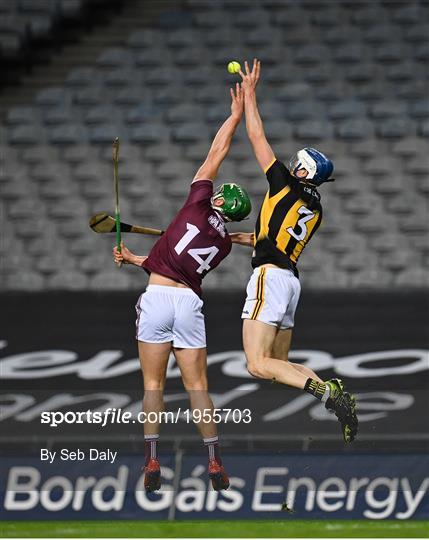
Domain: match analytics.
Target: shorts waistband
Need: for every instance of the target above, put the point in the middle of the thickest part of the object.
(171, 290)
(272, 270)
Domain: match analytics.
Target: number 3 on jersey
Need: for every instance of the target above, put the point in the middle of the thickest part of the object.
(307, 215)
(195, 253)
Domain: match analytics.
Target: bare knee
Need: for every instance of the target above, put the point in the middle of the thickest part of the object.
(197, 384)
(154, 385)
(256, 367)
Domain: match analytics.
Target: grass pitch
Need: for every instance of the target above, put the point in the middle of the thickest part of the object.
(216, 529)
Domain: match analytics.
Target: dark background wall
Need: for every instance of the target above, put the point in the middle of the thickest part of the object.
(377, 342)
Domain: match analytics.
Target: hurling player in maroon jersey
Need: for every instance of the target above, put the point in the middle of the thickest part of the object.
(169, 316)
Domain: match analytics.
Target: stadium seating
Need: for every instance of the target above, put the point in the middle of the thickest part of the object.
(358, 90)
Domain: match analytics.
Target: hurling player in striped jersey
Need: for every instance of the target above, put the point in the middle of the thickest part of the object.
(289, 217)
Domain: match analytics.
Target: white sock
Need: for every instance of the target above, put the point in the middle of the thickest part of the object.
(326, 394)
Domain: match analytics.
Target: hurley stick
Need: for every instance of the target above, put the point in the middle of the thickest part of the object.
(116, 189)
(103, 223)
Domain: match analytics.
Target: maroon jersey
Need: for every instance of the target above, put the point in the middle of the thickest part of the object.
(194, 243)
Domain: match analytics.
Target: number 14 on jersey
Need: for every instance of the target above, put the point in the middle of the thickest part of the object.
(195, 253)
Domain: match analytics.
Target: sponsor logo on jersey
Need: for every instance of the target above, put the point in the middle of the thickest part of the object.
(312, 192)
(217, 224)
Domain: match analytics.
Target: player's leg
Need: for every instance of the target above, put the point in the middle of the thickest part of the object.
(282, 343)
(189, 346)
(269, 311)
(272, 298)
(190, 349)
(155, 315)
(258, 342)
(153, 360)
(193, 366)
(281, 349)
(335, 398)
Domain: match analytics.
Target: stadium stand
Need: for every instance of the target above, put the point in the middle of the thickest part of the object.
(357, 90)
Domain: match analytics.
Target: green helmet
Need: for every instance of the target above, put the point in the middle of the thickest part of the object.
(236, 204)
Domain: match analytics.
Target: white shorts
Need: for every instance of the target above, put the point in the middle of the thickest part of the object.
(171, 314)
(272, 297)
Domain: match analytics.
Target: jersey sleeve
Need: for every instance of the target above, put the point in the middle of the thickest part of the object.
(201, 190)
(278, 177)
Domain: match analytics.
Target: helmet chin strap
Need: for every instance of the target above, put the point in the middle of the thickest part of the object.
(307, 182)
(310, 183)
(222, 216)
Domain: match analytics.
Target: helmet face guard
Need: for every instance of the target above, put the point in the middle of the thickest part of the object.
(311, 166)
(236, 204)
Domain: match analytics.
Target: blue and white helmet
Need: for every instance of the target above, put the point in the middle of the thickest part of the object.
(319, 168)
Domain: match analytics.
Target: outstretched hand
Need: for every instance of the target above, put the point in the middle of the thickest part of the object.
(250, 78)
(237, 101)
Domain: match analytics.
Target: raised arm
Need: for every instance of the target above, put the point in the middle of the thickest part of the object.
(255, 129)
(222, 141)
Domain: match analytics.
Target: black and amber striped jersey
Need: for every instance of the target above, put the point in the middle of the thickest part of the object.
(289, 216)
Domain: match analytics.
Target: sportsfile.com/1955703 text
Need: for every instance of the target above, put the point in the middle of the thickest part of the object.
(118, 416)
